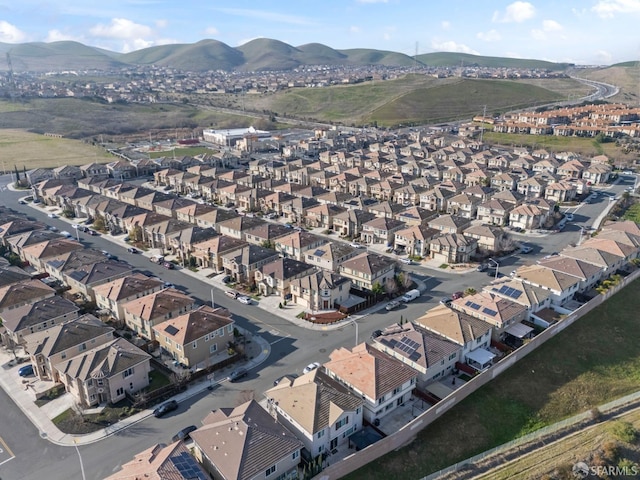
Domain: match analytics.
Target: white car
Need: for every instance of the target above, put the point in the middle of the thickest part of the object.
(53, 215)
(244, 299)
(75, 225)
(311, 367)
(406, 261)
(64, 233)
(569, 217)
(355, 245)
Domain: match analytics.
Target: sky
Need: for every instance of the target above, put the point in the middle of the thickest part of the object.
(585, 32)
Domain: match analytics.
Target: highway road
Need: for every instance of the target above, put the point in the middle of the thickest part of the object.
(292, 348)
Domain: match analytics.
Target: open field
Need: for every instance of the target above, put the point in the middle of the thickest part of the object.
(32, 150)
(584, 146)
(627, 78)
(595, 360)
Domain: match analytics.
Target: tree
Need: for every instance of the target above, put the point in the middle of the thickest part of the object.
(377, 289)
(135, 233)
(99, 223)
(470, 291)
(405, 280)
(390, 286)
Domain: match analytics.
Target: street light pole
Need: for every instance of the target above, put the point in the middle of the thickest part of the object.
(75, 442)
(497, 266)
(356, 325)
(213, 305)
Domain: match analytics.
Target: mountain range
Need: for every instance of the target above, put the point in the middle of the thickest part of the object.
(262, 54)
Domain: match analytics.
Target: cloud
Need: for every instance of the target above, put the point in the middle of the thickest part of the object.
(122, 29)
(162, 23)
(58, 36)
(603, 56)
(451, 46)
(551, 26)
(211, 31)
(608, 8)
(445, 25)
(490, 36)
(267, 16)
(354, 29)
(517, 12)
(10, 33)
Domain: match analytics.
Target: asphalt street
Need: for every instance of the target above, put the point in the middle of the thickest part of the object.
(292, 348)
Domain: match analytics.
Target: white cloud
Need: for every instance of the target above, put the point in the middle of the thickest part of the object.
(10, 33)
(490, 36)
(551, 26)
(211, 31)
(603, 56)
(136, 44)
(517, 12)
(247, 40)
(162, 23)
(451, 46)
(58, 36)
(122, 29)
(608, 8)
(445, 25)
(354, 29)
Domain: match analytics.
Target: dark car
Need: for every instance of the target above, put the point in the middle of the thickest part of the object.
(482, 267)
(238, 374)
(93, 233)
(165, 408)
(184, 433)
(132, 250)
(26, 371)
(168, 265)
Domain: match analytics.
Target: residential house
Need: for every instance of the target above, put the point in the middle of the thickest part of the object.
(321, 216)
(245, 443)
(597, 173)
(320, 290)
(415, 240)
(84, 278)
(431, 355)
(463, 205)
(472, 334)
(143, 313)
(197, 338)
(322, 412)
(532, 297)
(243, 263)
(496, 310)
(47, 348)
(111, 296)
(329, 256)
(561, 285)
(449, 223)
(105, 373)
(265, 234)
(209, 253)
(238, 227)
(383, 382)
(349, 223)
(588, 273)
(24, 293)
(368, 270)
(298, 244)
(452, 248)
(607, 261)
(528, 217)
(35, 316)
(413, 216)
(560, 192)
(275, 277)
(494, 212)
(381, 230)
(490, 238)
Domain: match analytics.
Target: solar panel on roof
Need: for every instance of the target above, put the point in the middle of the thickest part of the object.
(171, 330)
(488, 311)
(318, 253)
(187, 467)
(407, 345)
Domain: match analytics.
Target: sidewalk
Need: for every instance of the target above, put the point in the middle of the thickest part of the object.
(41, 417)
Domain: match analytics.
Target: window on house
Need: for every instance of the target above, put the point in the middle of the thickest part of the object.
(270, 470)
(342, 423)
(230, 328)
(213, 348)
(194, 345)
(295, 455)
(128, 372)
(221, 331)
(320, 434)
(120, 391)
(82, 347)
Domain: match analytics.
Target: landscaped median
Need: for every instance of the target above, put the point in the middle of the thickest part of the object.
(593, 361)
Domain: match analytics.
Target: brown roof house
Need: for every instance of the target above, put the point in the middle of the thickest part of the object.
(142, 314)
(24, 293)
(243, 263)
(561, 285)
(383, 382)
(36, 316)
(245, 443)
(105, 373)
(493, 309)
(160, 462)
(47, 348)
(114, 294)
(297, 244)
(321, 290)
(452, 248)
(381, 230)
(198, 338)
(209, 253)
(37, 254)
(322, 412)
(367, 270)
(275, 277)
(490, 238)
(532, 297)
(349, 223)
(330, 256)
(431, 355)
(415, 240)
(449, 223)
(469, 332)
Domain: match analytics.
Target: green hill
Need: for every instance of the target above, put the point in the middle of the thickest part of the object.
(632, 63)
(367, 56)
(268, 54)
(40, 56)
(318, 54)
(452, 59)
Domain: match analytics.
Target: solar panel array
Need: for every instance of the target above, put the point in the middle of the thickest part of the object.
(473, 305)
(171, 330)
(187, 466)
(407, 345)
(488, 311)
(510, 292)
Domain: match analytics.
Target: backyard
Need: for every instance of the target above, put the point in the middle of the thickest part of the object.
(595, 360)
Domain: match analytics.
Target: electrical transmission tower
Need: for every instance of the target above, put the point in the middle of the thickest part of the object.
(11, 79)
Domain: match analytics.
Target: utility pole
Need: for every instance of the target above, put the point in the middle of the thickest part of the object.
(484, 114)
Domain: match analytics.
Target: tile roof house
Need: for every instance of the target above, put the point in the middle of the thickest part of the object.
(532, 297)
(415, 240)
(494, 212)
(449, 223)
(238, 227)
(36, 316)
(24, 293)
(607, 261)
(114, 294)
(105, 372)
(381, 230)
(413, 216)
(452, 248)
(330, 255)
(143, 313)
(161, 462)
(431, 355)
(320, 290)
(588, 273)
(297, 244)
(496, 310)
(209, 253)
(276, 276)
(322, 412)
(246, 443)
(47, 348)
(321, 216)
(243, 263)
(197, 338)
(37, 254)
(561, 285)
(490, 238)
(383, 382)
(266, 233)
(84, 278)
(528, 217)
(368, 269)
(349, 223)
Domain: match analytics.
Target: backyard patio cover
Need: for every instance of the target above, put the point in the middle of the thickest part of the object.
(519, 330)
(480, 356)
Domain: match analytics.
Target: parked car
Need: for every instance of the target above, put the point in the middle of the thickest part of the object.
(406, 261)
(26, 371)
(457, 295)
(93, 233)
(64, 233)
(168, 285)
(445, 300)
(311, 367)
(569, 217)
(52, 215)
(133, 250)
(226, 279)
(524, 248)
(238, 374)
(392, 305)
(244, 299)
(355, 245)
(165, 408)
(22, 202)
(410, 295)
(184, 434)
(168, 265)
(231, 293)
(482, 267)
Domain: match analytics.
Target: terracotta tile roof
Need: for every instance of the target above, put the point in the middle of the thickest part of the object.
(194, 325)
(546, 277)
(38, 312)
(453, 325)
(128, 286)
(491, 308)
(518, 291)
(159, 304)
(368, 370)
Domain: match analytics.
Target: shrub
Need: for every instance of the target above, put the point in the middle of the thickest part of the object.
(623, 431)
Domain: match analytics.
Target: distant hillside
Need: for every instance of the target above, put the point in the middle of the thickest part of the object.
(444, 59)
(257, 55)
(632, 63)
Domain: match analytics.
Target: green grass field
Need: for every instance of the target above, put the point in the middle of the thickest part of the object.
(594, 361)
